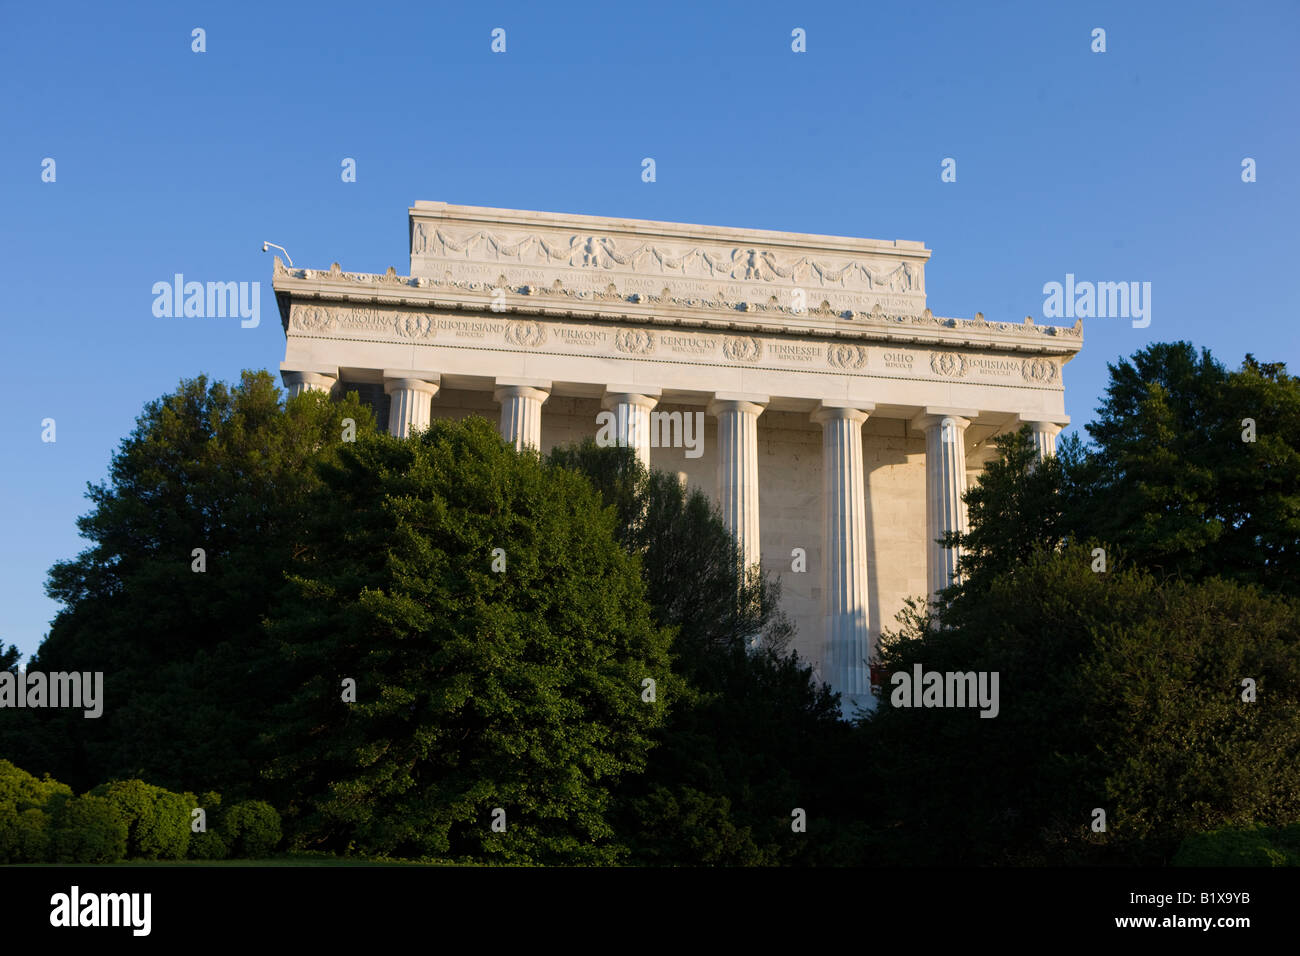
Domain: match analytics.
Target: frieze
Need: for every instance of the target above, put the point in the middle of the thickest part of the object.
(595, 340)
(739, 263)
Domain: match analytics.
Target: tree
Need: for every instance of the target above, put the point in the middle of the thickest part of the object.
(1014, 511)
(498, 639)
(690, 562)
(1123, 687)
(753, 735)
(1174, 479)
(1117, 691)
(187, 670)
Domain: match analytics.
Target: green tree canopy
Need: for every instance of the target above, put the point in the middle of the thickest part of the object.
(1174, 479)
(753, 735)
(498, 637)
(1116, 691)
(1121, 688)
(187, 668)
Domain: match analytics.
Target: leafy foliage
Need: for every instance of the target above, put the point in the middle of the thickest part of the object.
(753, 735)
(520, 688)
(157, 820)
(1014, 511)
(1246, 846)
(88, 829)
(187, 670)
(1117, 692)
(477, 689)
(26, 804)
(1171, 480)
(251, 829)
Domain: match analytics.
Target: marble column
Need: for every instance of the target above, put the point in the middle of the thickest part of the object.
(844, 552)
(738, 468)
(521, 410)
(410, 395)
(297, 381)
(1043, 435)
(945, 483)
(631, 408)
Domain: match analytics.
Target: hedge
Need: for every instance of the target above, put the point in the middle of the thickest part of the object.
(42, 822)
(88, 829)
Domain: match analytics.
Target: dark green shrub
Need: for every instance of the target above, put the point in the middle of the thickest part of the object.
(252, 829)
(691, 826)
(157, 820)
(24, 835)
(88, 829)
(209, 843)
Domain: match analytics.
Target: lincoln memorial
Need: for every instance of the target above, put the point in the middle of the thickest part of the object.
(841, 419)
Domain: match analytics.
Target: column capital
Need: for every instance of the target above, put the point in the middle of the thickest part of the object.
(412, 394)
(748, 402)
(537, 389)
(832, 409)
(933, 416)
(1051, 426)
(1043, 435)
(413, 380)
(323, 377)
(630, 395)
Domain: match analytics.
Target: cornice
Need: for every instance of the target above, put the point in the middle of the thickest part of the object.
(664, 309)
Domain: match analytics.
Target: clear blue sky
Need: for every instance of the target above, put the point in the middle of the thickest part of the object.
(1119, 166)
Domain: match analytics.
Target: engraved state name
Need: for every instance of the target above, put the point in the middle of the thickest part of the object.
(795, 353)
(470, 328)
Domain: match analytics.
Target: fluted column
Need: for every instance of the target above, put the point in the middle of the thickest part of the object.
(1043, 435)
(844, 552)
(631, 410)
(738, 468)
(297, 381)
(521, 411)
(410, 395)
(945, 483)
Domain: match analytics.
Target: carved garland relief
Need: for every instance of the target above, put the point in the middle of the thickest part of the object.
(715, 262)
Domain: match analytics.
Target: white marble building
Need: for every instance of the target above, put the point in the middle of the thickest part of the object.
(841, 418)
